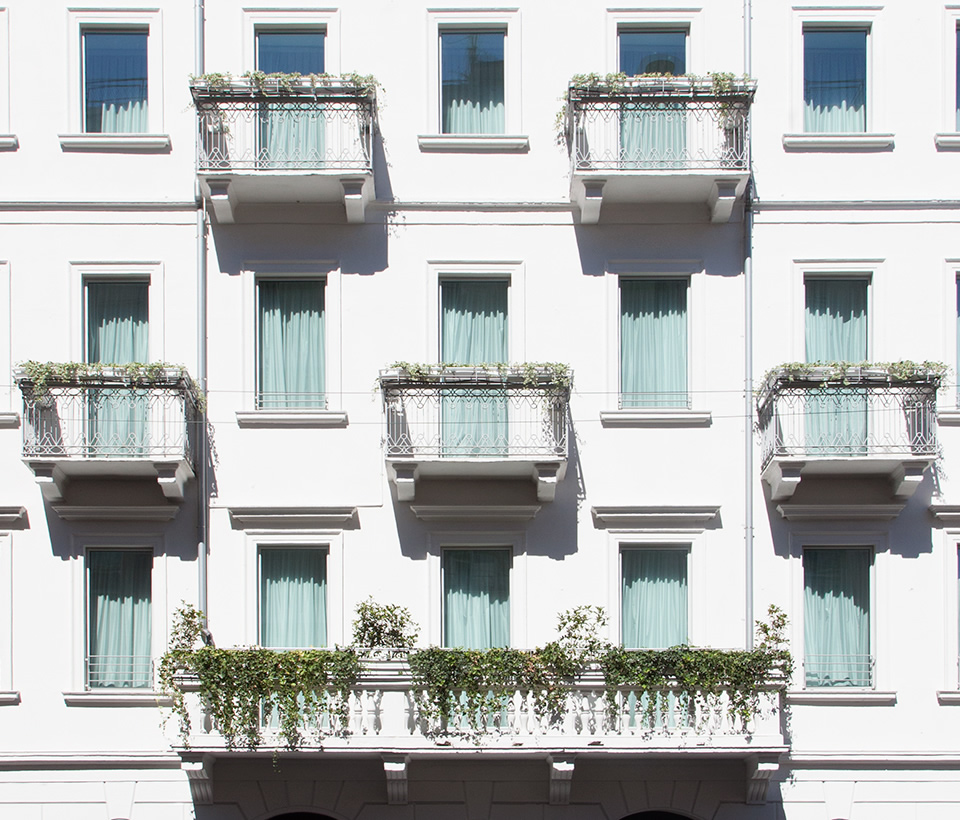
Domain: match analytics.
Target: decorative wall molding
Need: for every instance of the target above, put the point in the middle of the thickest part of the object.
(248, 518)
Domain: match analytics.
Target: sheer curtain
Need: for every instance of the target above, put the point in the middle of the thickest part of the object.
(473, 331)
(291, 135)
(836, 617)
(654, 598)
(836, 331)
(476, 598)
(291, 344)
(472, 82)
(115, 81)
(119, 626)
(293, 597)
(117, 333)
(653, 138)
(653, 342)
(835, 81)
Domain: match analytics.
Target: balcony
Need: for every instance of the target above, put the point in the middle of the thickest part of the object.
(475, 422)
(109, 424)
(849, 422)
(280, 141)
(659, 141)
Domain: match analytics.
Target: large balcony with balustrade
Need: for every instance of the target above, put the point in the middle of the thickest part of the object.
(659, 141)
(281, 141)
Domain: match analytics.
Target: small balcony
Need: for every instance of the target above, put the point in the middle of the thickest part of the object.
(104, 423)
(475, 422)
(280, 141)
(659, 141)
(849, 422)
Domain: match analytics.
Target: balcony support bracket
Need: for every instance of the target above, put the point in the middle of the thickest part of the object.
(723, 197)
(354, 200)
(220, 200)
(590, 201)
(907, 477)
(561, 779)
(784, 478)
(760, 768)
(200, 777)
(406, 481)
(52, 480)
(172, 477)
(395, 767)
(547, 476)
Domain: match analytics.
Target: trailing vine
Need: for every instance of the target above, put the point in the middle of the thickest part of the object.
(381, 629)
(533, 374)
(847, 372)
(261, 82)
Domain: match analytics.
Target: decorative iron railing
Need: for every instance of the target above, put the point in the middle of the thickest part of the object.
(108, 416)
(119, 672)
(864, 412)
(838, 671)
(292, 126)
(660, 124)
(467, 412)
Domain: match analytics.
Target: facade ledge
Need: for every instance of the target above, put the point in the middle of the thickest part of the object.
(87, 759)
(251, 518)
(468, 512)
(292, 418)
(473, 143)
(9, 419)
(679, 417)
(949, 141)
(119, 698)
(946, 513)
(838, 142)
(852, 697)
(948, 697)
(12, 515)
(119, 512)
(9, 142)
(840, 512)
(949, 417)
(689, 519)
(114, 142)
(9, 698)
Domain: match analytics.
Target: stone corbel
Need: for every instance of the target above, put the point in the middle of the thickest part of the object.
(200, 777)
(591, 201)
(760, 768)
(723, 197)
(52, 480)
(907, 478)
(172, 477)
(395, 768)
(561, 779)
(406, 481)
(220, 200)
(547, 476)
(354, 200)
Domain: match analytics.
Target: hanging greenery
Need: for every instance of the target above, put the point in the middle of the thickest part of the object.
(531, 374)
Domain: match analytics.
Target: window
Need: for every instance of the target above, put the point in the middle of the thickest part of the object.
(119, 618)
(115, 81)
(834, 80)
(476, 598)
(653, 597)
(293, 597)
(653, 343)
(472, 92)
(835, 329)
(291, 343)
(836, 617)
(956, 85)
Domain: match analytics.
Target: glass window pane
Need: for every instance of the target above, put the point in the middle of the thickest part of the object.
(835, 81)
(117, 322)
(115, 81)
(654, 598)
(471, 82)
(290, 52)
(653, 52)
(476, 598)
(293, 598)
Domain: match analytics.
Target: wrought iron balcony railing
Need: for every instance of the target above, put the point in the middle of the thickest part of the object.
(119, 672)
(277, 126)
(474, 412)
(660, 124)
(864, 412)
(838, 671)
(109, 416)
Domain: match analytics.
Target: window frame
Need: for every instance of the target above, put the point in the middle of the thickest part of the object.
(443, 30)
(325, 20)
(264, 544)
(8, 140)
(8, 696)
(626, 28)
(949, 137)
(689, 20)
(632, 545)
(508, 548)
(868, 97)
(111, 280)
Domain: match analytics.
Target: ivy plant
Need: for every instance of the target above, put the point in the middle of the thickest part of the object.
(842, 372)
(383, 626)
(261, 81)
(533, 374)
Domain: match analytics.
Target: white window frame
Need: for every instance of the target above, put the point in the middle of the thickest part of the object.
(329, 273)
(82, 273)
(950, 136)
(487, 539)
(10, 401)
(79, 695)
(506, 20)
(325, 20)
(81, 20)
(688, 19)
(8, 696)
(694, 272)
(676, 544)
(262, 546)
(7, 139)
(331, 540)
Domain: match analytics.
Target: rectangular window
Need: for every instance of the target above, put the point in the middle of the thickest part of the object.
(835, 329)
(291, 344)
(115, 81)
(293, 597)
(119, 618)
(653, 598)
(836, 617)
(834, 80)
(472, 82)
(653, 343)
(476, 598)
(957, 78)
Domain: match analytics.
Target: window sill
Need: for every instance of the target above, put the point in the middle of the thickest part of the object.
(104, 697)
(838, 142)
(9, 698)
(9, 142)
(949, 141)
(465, 143)
(11, 420)
(655, 417)
(115, 142)
(292, 418)
(950, 697)
(851, 697)
(949, 418)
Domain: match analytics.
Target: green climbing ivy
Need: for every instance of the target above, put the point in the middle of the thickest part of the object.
(532, 374)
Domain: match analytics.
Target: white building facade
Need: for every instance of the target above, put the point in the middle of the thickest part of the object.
(708, 240)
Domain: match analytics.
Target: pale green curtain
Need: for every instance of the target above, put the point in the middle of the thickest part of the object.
(835, 327)
(836, 617)
(472, 82)
(291, 135)
(653, 343)
(291, 344)
(293, 597)
(835, 81)
(119, 618)
(115, 81)
(476, 598)
(473, 331)
(654, 598)
(117, 333)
